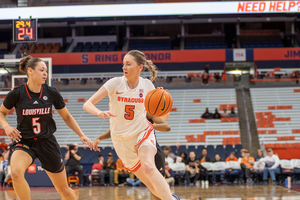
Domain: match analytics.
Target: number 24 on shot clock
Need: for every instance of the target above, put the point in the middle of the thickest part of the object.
(24, 30)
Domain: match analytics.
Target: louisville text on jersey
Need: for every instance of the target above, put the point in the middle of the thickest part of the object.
(36, 111)
(131, 100)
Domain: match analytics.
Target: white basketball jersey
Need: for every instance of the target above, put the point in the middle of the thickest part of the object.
(128, 105)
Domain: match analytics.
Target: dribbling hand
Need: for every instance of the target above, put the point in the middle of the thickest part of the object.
(13, 134)
(87, 141)
(161, 88)
(95, 145)
(106, 114)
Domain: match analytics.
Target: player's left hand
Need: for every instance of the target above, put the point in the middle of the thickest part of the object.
(87, 141)
(161, 88)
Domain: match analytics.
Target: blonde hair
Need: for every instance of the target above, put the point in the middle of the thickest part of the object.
(140, 59)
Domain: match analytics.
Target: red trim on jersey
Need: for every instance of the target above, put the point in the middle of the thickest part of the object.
(135, 167)
(29, 94)
(27, 91)
(41, 91)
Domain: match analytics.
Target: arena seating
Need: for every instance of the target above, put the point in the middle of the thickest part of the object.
(277, 113)
(209, 42)
(46, 48)
(179, 120)
(94, 47)
(149, 43)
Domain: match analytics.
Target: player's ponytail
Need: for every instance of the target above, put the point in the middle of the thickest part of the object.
(140, 58)
(28, 61)
(152, 68)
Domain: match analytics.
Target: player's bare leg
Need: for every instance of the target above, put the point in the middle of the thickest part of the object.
(151, 174)
(20, 161)
(60, 183)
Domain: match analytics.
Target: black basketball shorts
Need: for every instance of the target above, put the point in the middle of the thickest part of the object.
(46, 150)
(160, 159)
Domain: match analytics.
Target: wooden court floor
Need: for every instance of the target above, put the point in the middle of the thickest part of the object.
(185, 193)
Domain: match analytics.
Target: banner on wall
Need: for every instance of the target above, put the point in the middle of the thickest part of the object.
(175, 56)
(151, 9)
(276, 54)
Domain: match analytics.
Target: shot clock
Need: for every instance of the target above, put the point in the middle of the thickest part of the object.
(24, 30)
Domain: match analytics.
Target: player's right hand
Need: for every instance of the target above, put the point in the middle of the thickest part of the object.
(106, 114)
(13, 134)
(95, 145)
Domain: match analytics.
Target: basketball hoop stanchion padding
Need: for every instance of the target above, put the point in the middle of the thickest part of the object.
(48, 62)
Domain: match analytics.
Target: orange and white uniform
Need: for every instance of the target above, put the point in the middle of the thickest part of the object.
(130, 128)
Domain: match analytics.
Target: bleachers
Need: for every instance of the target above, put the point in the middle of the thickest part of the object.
(93, 126)
(277, 113)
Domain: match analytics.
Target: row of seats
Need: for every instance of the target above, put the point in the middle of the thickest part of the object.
(262, 45)
(150, 44)
(206, 46)
(95, 47)
(46, 48)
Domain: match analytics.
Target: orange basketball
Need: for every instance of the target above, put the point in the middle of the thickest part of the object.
(158, 102)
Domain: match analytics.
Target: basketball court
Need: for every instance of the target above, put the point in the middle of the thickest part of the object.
(257, 192)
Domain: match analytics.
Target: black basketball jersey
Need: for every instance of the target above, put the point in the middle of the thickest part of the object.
(34, 110)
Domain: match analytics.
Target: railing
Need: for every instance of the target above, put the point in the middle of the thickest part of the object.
(277, 82)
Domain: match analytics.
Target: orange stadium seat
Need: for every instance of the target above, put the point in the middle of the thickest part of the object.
(198, 75)
(201, 138)
(269, 146)
(289, 145)
(296, 130)
(277, 69)
(279, 145)
(296, 145)
(197, 100)
(197, 121)
(272, 131)
(271, 107)
(81, 100)
(173, 110)
(191, 75)
(296, 90)
(190, 138)
(262, 132)
(52, 111)
(66, 100)
(2, 132)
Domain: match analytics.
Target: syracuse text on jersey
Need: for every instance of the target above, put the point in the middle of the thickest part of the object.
(36, 111)
(131, 100)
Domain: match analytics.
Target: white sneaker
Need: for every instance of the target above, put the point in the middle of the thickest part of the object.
(206, 183)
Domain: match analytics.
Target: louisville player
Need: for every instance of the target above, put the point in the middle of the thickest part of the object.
(33, 136)
(132, 135)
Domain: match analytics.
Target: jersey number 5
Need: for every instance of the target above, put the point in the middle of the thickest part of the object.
(36, 125)
(129, 113)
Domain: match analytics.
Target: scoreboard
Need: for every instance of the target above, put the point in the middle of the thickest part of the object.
(24, 30)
